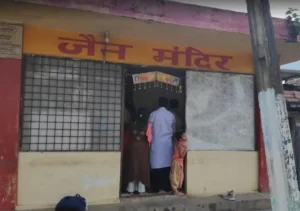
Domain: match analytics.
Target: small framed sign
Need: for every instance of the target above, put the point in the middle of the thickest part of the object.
(11, 40)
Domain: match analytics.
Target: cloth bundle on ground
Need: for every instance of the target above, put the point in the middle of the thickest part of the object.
(72, 203)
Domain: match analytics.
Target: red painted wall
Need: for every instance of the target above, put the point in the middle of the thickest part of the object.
(262, 165)
(10, 96)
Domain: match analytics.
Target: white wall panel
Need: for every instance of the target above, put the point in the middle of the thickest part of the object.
(220, 111)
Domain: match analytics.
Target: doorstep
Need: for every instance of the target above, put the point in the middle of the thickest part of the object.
(243, 202)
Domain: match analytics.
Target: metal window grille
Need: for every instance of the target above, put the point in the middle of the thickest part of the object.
(71, 105)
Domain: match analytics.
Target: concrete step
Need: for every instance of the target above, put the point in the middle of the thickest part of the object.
(243, 202)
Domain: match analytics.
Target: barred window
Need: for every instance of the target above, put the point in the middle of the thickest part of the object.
(71, 105)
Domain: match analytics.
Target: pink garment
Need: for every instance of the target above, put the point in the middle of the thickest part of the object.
(149, 132)
(179, 152)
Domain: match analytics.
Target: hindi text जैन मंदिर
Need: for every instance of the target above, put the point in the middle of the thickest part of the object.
(202, 60)
(73, 46)
(89, 43)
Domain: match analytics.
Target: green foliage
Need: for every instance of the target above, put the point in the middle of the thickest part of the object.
(293, 23)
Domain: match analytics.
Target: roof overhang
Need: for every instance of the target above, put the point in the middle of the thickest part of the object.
(205, 34)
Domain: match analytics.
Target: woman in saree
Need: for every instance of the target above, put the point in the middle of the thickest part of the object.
(129, 118)
(139, 159)
(177, 167)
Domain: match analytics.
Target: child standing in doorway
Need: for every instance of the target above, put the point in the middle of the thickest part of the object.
(177, 166)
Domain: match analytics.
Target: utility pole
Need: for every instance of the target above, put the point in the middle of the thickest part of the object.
(273, 111)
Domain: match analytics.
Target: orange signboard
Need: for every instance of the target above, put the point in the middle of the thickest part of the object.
(168, 79)
(144, 77)
(155, 76)
(93, 47)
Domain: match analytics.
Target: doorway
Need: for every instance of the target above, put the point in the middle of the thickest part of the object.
(143, 88)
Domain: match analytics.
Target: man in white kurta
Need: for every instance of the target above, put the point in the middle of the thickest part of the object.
(161, 149)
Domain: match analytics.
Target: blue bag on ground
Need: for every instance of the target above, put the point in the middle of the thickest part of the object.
(71, 203)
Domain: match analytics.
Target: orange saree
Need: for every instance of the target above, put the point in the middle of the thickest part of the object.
(177, 168)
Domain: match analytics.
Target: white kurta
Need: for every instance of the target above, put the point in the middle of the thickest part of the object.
(163, 127)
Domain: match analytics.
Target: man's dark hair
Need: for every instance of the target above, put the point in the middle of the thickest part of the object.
(174, 103)
(163, 102)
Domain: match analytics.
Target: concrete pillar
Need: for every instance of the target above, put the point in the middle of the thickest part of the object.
(11, 37)
(263, 185)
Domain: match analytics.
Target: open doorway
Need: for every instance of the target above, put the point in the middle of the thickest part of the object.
(143, 88)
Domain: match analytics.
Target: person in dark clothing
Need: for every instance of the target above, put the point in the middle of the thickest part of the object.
(129, 118)
(139, 159)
